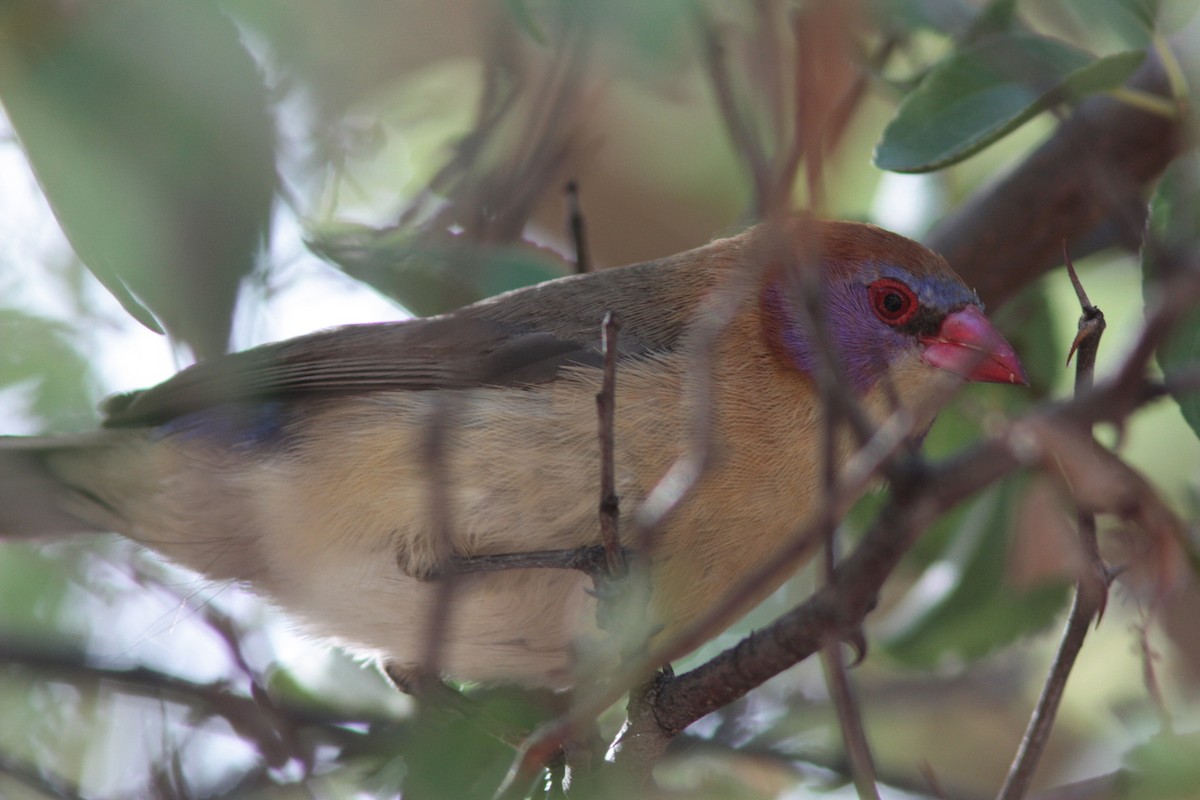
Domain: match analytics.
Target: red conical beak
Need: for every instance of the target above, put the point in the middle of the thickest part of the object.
(969, 345)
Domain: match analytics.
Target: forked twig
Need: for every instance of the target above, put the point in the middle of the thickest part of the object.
(1091, 586)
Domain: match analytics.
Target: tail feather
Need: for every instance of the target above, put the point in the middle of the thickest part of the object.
(33, 500)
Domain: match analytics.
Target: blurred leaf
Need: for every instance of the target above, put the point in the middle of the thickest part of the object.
(1175, 226)
(440, 742)
(431, 277)
(342, 54)
(146, 125)
(963, 606)
(33, 591)
(1028, 321)
(521, 14)
(653, 35)
(49, 364)
(1132, 21)
(952, 17)
(985, 91)
(998, 16)
(1164, 768)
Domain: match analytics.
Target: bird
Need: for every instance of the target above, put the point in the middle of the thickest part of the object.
(302, 469)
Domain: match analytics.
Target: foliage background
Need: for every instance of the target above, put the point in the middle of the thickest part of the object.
(418, 150)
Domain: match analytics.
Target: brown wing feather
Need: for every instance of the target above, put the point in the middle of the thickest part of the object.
(437, 353)
(522, 337)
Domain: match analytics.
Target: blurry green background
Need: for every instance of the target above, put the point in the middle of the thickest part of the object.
(309, 159)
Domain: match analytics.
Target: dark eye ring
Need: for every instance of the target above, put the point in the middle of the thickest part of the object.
(892, 301)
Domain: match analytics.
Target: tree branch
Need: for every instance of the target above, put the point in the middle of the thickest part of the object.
(1092, 172)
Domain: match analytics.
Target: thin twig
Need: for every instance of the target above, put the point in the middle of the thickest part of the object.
(746, 141)
(606, 406)
(577, 227)
(716, 311)
(1037, 734)
(833, 388)
(442, 532)
(244, 715)
(1150, 675)
(854, 735)
(1091, 587)
(1091, 327)
(592, 560)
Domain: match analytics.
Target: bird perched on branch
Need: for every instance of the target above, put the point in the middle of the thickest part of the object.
(303, 468)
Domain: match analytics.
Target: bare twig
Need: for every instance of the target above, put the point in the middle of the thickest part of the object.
(838, 400)
(441, 532)
(854, 735)
(1091, 327)
(577, 227)
(591, 560)
(746, 141)
(1041, 723)
(606, 405)
(244, 715)
(1150, 675)
(716, 311)
(1091, 587)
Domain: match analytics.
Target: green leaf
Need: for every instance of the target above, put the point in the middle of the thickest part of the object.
(963, 606)
(48, 364)
(1175, 229)
(1132, 21)
(146, 125)
(1164, 768)
(520, 14)
(952, 17)
(1028, 322)
(985, 91)
(999, 16)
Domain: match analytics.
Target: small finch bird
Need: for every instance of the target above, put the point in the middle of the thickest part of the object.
(302, 468)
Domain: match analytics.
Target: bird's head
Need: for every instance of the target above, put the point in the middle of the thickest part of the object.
(892, 307)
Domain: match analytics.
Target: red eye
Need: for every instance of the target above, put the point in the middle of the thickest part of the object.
(892, 301)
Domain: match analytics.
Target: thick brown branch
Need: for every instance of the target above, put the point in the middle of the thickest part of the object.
(1093, 170)
(1050, 438)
